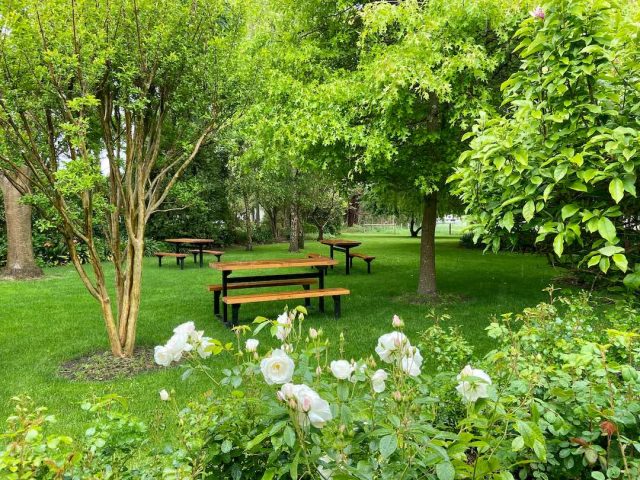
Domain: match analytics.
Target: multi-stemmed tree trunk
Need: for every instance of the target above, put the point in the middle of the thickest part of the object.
(427, 279)
(21, 262)
(116, 97)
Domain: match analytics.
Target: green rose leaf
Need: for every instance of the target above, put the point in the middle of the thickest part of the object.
(388, 445)
(445, 471)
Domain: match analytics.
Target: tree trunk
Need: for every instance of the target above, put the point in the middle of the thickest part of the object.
(21, 262)
(320, 232)
(300, 232)
(247, 222)
(294, 237)
(412, 230)
(272, 213)
(353, 210)
(427, 280)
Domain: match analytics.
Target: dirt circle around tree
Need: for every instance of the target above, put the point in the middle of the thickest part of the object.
(102, 366)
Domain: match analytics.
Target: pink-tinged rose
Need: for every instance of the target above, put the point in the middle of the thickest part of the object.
(538, 12)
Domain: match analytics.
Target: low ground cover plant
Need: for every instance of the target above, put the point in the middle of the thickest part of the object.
(559, 397)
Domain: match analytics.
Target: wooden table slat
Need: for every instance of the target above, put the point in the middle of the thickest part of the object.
(267, 264)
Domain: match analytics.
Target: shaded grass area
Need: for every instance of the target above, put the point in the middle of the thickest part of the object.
(47, 322)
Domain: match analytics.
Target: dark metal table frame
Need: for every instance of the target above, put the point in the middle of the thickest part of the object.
(227, 268)
(199, 245)
(344, 249)
(227, 280)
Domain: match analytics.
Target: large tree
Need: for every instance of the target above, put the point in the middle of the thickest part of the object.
(424, 70)
(21, 262)
(104, 105)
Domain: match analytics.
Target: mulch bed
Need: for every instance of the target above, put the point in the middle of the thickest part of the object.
(103, 366)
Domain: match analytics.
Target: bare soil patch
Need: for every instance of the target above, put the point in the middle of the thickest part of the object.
(103, 366)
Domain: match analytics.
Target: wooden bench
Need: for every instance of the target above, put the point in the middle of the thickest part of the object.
(178, 256)
(217, 289)
(196, 252)
(366, 258)
(236, 301)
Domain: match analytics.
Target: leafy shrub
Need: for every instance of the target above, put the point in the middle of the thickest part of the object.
(466, 241)
(558, 398)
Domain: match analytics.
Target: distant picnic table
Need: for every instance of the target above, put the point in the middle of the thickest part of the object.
(199, 243)
(341, 245)
(260, 281)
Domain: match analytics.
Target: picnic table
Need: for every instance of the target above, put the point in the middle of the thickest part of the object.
(199, 243)
(227, 268)
(341, 245)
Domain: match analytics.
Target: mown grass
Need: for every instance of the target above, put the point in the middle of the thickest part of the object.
(46, 322)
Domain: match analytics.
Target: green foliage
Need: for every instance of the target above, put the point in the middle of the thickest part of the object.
(563, 402)
(561, 164)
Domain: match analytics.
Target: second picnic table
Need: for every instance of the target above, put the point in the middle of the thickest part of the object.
(341, 245)
(227, 268)
(196, 242)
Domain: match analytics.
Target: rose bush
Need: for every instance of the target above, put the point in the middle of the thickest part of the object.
(558, 398)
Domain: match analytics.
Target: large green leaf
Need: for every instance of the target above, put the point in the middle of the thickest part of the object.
(607, 229)
(529, 210)
(616, 189)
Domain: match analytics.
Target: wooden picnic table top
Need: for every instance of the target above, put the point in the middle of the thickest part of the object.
(341, 242)
(279, 263)
(189, 240)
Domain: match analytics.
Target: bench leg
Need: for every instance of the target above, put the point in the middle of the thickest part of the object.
(235, 309)
(336, 306)
(307, 301)
(369, 266)
(159, 262)
(218, 257)
(181, 262)
(195, 257)
(216, 303)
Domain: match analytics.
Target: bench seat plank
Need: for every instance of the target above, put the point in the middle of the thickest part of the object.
(361, 255)
(263, 283)
(211, 252)
(270, 297)
(238, 300)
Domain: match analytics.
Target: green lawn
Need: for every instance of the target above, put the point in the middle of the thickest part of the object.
(45, 322)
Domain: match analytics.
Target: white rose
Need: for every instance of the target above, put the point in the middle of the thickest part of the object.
(185, 329)
(411, 363)
(164, 395)
(178, 344)
(392, 346)
(397, 322)
(203, 343)
(473, 384)
(283, 327)
(162, 356)
(251, 345)
(313, 333)
(341, 369)
(278, 368)
(311, 408)
(377, 381)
